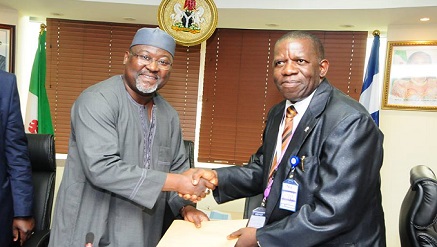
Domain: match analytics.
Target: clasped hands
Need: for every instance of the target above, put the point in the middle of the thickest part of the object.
(201, 182)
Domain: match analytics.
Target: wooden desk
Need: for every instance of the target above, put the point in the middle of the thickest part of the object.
(212, 234)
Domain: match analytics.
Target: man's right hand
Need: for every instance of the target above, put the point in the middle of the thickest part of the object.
(201, 177)
(183, 184)
(209, 175)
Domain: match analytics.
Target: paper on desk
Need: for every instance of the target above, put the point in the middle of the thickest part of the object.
(217, 215)
(212, 234)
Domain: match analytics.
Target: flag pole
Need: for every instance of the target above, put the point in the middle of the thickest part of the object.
(38, 118)
(42, 28)
(370, 92)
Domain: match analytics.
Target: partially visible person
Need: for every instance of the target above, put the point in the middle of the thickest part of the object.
(325, 189)
(126, 154)
(16, 189)
(416, 87)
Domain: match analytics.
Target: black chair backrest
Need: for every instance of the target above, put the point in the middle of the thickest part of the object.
(418, 214)
(251, 202)
(189, 149)
(43, 159)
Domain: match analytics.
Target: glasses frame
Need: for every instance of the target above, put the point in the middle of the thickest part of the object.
(147, 60)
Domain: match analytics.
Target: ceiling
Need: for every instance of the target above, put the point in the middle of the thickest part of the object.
(348, 15)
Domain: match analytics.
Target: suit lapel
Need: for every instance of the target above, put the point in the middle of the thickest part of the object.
(272, 129)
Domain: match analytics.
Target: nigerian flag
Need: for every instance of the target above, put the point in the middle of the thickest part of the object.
(38, 119)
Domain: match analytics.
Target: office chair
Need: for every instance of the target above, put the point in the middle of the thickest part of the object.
(42, 157)
(418, 214)
(251, 202)
(189, 149)
(168, 214)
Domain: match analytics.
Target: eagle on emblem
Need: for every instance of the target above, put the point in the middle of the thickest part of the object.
(187, 18)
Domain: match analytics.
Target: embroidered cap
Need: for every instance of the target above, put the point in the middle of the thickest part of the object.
(154, 37)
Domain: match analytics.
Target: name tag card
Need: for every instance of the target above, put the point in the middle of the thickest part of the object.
(258, 218)
(289, 193)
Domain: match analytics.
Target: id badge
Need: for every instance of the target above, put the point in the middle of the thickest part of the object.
(289, 193)
(258, 218)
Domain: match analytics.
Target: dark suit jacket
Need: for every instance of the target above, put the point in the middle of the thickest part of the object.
(339, 199)
(15, 170)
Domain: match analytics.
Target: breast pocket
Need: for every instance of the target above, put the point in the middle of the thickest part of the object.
(164, 159)
(306, 174)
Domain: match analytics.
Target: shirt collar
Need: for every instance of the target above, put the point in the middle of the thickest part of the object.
(301, 106)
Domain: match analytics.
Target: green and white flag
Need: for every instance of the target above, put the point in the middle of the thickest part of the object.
(38, 118)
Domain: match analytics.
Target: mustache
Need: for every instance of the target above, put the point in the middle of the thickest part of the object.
(148, 73)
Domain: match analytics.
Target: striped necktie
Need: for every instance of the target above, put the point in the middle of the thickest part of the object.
(286, 135)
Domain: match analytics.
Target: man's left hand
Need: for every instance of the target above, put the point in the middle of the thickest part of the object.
(22, 228)
(194, 215)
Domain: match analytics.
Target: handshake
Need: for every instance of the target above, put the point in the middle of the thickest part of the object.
(195, 184)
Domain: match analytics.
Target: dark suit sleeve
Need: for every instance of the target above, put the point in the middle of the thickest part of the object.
(346, 176)
(238, 182)
(17, 156)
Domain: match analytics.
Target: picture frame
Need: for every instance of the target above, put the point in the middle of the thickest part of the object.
(7, 45)
(410, 81)
(189, 22)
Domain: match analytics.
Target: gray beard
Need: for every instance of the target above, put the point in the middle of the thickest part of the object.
(146, 90)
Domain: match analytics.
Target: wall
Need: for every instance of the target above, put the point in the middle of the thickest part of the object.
(26, 43)
(8, 16)
(409, 141)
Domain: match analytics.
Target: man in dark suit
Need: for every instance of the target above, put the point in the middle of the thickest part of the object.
(331, 164)
(16, 191)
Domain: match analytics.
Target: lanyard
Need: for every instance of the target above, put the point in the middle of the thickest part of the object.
(294, 161)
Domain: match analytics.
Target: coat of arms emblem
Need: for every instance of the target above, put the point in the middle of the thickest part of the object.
(189, 21)
(189, 18)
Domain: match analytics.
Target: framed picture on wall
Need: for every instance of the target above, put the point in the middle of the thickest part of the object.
(7, 44)
(410, 81)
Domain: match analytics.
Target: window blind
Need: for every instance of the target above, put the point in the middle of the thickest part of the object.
(239, 88)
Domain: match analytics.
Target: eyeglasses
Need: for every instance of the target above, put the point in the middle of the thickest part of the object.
(146, 60)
